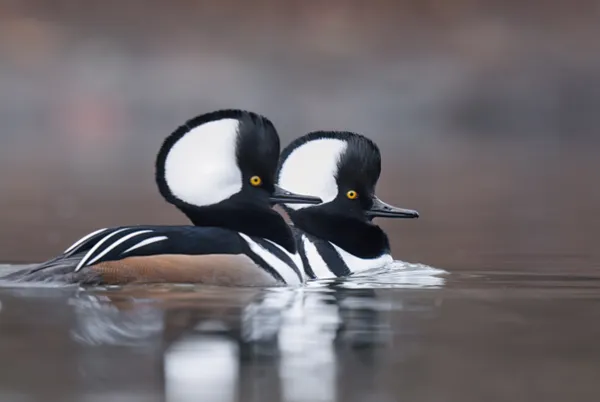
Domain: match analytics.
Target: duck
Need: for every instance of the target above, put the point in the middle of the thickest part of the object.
(219, 170)
(337, 238)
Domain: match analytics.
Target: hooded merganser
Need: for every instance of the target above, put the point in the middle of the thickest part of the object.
(219, 170)
(337, 237)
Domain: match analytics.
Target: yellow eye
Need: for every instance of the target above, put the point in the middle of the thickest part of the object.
(255, 181)
(352, 194)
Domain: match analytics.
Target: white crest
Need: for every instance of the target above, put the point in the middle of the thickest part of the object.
(201, 167)
(311, 169)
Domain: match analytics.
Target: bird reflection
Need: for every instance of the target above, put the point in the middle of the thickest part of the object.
(102, 323)
(257, 344)
(253, 344)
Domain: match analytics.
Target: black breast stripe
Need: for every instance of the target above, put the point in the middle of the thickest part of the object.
(277, 252)
(307, 268)
(332, 258)
(262, 263)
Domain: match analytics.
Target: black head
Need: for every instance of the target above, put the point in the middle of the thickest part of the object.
(341, 168)
(219, 169)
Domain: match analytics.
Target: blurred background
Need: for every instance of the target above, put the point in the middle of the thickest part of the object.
(486, 113)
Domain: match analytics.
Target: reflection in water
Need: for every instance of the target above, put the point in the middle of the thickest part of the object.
(201, 365)
(308, 329)
(101, 323)
(399, 274)
(294, 335)
(232, 344)
(519, 337)
(286, 336)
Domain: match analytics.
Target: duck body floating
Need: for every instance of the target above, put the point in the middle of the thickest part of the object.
(219, 170)
(337, 238)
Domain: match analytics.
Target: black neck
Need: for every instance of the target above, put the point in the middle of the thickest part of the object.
(250, 220)
(360, 238)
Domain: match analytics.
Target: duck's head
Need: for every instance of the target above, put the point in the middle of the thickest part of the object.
(219, 169)
(341, 168)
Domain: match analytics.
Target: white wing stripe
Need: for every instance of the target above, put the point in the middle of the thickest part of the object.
(145, 243)
(115, 244)
(84, 238)
(93, 249)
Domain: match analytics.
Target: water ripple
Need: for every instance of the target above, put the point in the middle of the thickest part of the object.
(398, 274)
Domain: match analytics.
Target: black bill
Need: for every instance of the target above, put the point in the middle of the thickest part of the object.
(281, 196)
(383, 210)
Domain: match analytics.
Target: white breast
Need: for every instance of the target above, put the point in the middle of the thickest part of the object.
(354, 263)
(316, 262)
(357, 264)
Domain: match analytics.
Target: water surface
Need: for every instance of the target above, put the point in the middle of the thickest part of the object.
(410, 332)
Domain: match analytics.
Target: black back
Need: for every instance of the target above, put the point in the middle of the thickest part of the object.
(175, 240)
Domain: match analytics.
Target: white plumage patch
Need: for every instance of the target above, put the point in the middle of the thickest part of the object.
(287, 273)
(316, 262)
(311, 169)
(357, 264)
(294, 257)
(201, 168)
